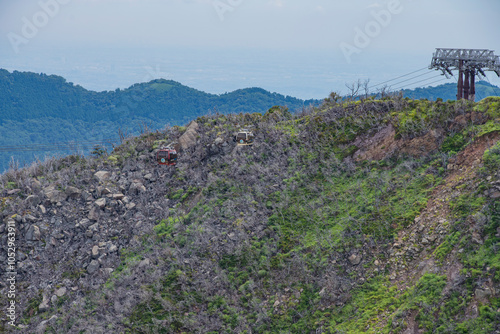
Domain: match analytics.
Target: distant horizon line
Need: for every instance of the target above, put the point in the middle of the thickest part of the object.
(218, 94)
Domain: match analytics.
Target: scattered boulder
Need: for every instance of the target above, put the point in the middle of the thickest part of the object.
(495, 194)
(482, 295)
(93, 214)
(73, 192)
(60, 292)
(95, 252)
(44, 305)
(33, 200)
(42, 326)
(118, 196)
(137, 187)
(218, 141)
(188, 139)
(87, 196)
(102, 175)
(53, 195)
(93, 266)
(101, 203)
(83, 223)
(111, 248)
(33, 233)
(355, 259)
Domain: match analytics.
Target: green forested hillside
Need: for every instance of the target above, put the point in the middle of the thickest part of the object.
(41, 109)
(449, 91)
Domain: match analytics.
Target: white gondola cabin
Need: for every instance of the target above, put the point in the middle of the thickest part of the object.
(244, 137)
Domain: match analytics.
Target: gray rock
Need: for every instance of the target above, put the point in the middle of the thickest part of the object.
(36, 233)
(482, 295)
(144, 263)
(479, 218)
(33, 233)
(94, 214)
(112, 248)
(30, 218)
(60, 292)
(495, 194)
(107, 271)
(83, 223)
(44, 305)
(102, 176)
(42, 326)
(73, 192)
(87, 196)
(43, 210)
(188, 139)
(355, 259)
(101, 203)
(54, 195)
(130, 206)
(93, 266)
(53, 299)
(33, 200)
(118, 196)
(94, 227)
(95, 252)
(137, 187)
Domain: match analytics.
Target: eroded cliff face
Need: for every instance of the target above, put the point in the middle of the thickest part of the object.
(365, 217)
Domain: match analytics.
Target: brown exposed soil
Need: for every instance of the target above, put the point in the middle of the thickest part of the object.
(384, 145)
(412, 254)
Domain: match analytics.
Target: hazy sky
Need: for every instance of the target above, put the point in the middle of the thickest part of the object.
(103, 44)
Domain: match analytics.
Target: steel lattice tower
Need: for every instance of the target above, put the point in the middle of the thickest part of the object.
(469, 63)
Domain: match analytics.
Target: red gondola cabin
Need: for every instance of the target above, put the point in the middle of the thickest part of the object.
(166, 156)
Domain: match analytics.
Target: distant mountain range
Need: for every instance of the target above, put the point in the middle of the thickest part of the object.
(449, 91)
(40, 114)
(44, 112)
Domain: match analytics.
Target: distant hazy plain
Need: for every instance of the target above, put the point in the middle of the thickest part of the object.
(302, 74)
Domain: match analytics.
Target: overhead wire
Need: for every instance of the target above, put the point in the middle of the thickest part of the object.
(58, 146)
(397, 83)
(419, 81)
(495, 88)
(402, 76)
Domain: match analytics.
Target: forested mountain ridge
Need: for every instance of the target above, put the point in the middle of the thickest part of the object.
(370, 216)
(449, 91)
(45, 109)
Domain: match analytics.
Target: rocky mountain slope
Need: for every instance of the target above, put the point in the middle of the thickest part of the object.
(374, 216)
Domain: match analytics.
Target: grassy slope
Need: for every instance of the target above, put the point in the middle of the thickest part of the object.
(261, 239)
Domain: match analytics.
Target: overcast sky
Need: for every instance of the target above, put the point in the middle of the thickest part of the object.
(384, 38)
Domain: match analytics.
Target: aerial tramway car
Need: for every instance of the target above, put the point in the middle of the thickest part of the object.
(244, 137)
(167, 156)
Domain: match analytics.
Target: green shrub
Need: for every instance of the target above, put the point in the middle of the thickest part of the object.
(491, 158)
